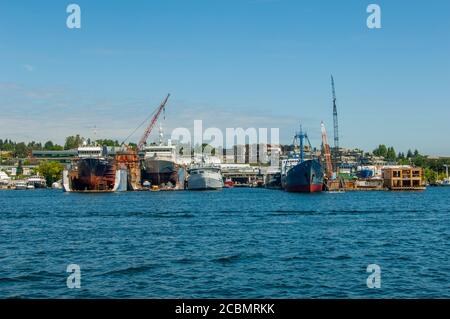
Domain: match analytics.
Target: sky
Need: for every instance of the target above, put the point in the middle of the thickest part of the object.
(230, 63)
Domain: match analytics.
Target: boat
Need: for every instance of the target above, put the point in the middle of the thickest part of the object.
(273, 178)
(30, 186)
(273, 181)
(228, 183)
(20, 186)
(94, 171)
(204, 177)
(302, 175)
(160, 167)
(37, 181)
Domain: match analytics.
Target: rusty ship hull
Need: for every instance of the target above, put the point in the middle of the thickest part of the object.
(92, 175)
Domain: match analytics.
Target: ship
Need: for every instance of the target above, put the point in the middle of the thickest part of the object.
(160, 167)
(302, 175)
(272, 178)
(37, 181)
(205, 177)
(94, 171)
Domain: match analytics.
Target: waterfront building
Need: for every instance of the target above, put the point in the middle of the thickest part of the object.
(403, 178)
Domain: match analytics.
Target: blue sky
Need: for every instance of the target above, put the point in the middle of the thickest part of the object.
(246, 63)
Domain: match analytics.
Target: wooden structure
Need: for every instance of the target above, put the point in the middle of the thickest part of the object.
(403, 178)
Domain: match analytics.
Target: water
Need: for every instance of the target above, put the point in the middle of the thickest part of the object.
(235, 243)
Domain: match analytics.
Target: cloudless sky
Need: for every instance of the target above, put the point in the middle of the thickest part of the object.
(231, 63)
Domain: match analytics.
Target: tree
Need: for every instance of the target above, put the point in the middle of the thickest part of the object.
(21, 150)
(48, 145)
(51, 171)
(108, 142)
(391, 155)
(381, 151)
(73, 142)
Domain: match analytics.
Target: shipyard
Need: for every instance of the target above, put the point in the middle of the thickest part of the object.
(161, 165)
(209, 158)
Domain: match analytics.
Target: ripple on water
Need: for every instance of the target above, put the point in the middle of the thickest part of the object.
(246, 243)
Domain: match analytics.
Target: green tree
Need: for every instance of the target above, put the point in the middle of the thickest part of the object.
(430, 175)
(73, 142)
(391, 155)
(107, 142)
(51, 171)
(381, 151)
(21, 150)
(49, 146)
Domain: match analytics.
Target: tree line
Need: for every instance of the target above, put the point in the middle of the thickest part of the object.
(23, 150)
(433, 167)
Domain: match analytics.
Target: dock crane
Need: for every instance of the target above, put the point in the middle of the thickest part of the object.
(336, 125)
(326, 152)
(149, 128)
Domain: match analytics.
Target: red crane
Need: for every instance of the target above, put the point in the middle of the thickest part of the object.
(326, 152)
(149, 128)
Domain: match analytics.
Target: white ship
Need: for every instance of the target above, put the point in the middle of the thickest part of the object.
(204, 177)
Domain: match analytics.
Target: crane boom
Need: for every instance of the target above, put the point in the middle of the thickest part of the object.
(335, 116)
(149, 128)
(336, 156)
(326, 151)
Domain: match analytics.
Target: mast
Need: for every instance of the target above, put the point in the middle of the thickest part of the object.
(301, 136)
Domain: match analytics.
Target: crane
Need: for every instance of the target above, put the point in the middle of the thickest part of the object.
(299, 140)
(326, 152)
(335, 123)
(149, 128)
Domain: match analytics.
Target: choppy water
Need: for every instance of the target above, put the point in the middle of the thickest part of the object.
(235, 243)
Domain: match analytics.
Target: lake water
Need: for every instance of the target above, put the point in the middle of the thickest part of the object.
(235, 243)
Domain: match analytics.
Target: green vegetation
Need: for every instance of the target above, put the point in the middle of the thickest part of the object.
(108, 143)
(387, 152)
(51, 171)
(9, 148)
(73, 142)
(433, 168)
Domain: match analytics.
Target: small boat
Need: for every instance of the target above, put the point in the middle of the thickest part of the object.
(205, 177)
(20, 186)
(37, 182)
(30, 186)
(228, 183)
